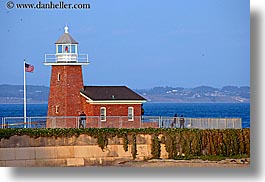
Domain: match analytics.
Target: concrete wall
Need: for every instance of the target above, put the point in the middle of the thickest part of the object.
(23, 151)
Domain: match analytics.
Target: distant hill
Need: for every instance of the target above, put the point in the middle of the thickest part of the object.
(233, 94)
(15, 93)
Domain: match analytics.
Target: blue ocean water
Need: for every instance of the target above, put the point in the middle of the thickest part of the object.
(193, 110)
(201, 110)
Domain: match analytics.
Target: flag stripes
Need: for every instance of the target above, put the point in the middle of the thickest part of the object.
(29, 68)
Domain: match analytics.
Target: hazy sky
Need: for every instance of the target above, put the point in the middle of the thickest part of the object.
(137, 43)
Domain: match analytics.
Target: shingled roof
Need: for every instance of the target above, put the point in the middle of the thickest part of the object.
(66, 38)
(100, 93)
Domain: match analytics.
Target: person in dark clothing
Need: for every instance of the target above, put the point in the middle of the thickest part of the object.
(173, 124)
(82, 120)
(182, 121)
(142, 110)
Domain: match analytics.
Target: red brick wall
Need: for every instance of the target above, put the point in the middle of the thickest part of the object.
(113, 110)
(150, 125)
(116, 109)
(66, 92)
(88, 108)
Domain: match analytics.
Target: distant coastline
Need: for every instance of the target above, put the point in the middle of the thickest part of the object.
(10, 103)
(13, 94)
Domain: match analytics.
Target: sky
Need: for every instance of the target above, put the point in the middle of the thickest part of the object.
(140, 44)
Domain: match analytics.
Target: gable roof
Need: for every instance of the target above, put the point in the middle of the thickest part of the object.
(107, 93)
(66, 38)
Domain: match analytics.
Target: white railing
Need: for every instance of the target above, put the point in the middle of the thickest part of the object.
(66, 57)
(119, 122)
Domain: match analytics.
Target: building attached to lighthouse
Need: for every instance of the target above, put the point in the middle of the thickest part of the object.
(68, 95)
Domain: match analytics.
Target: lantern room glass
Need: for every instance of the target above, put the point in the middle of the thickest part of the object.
(73, 48)
(59, 49)
(66, 48)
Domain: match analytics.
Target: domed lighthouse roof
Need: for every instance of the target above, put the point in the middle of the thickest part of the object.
(66, 38)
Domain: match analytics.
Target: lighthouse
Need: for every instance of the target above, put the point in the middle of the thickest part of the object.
(66, 81)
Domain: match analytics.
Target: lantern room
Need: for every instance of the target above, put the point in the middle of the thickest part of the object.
(66, 52)
(66, 48)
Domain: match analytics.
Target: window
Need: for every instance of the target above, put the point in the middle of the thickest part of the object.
(57, 109)
(103, 114)
(58, 77)
(66, 48)
(59, 49)
(73, 48)
(130, 114)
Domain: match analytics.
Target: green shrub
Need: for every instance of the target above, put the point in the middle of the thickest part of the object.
(193, 142)
(155, 147)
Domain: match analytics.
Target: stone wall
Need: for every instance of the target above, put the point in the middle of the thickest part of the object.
(24, 151)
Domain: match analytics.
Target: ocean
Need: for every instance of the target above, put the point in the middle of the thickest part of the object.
(192, 110)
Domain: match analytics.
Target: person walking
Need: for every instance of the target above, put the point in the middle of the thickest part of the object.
(82, 120)
(174, 123)
(182, 121)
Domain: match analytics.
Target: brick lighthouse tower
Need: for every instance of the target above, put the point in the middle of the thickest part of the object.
(66, 82)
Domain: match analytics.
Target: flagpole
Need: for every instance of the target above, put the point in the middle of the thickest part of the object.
(25, 99)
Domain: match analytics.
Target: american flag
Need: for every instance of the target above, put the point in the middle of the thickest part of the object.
(29, 68)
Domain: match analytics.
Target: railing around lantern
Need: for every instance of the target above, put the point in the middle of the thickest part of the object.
(66, 58)
(120, 122)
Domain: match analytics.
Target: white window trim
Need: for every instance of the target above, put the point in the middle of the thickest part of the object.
(57, 109)
(69, 48)
(105, 114)
(131, 118)
(75, 48)
(57, 50)
(58, 77)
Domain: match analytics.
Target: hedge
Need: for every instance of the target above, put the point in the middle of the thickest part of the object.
(179, 143)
